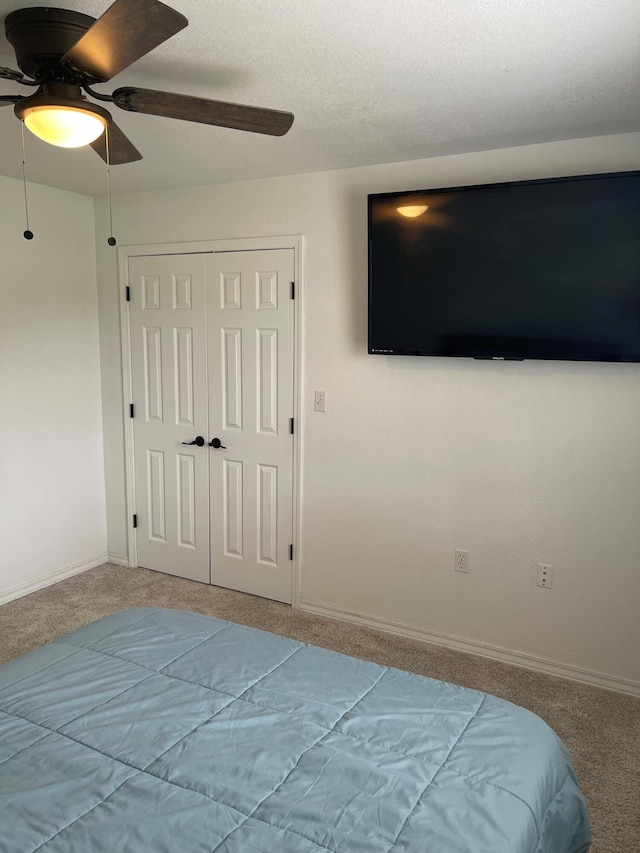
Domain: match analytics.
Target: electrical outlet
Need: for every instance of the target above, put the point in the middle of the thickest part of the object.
(462, 560)
(320, 401)
(545, 576)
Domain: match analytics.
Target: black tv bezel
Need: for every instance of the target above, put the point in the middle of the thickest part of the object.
(408, 194)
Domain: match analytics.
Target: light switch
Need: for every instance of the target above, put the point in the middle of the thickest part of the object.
(320, 401)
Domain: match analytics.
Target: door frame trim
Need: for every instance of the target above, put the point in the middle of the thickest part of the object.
(241, 244)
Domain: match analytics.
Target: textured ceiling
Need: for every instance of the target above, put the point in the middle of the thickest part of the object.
(369, 81)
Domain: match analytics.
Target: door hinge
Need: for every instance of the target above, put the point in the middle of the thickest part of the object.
(127, 291)
(291, 425)
(291, 552)
(293, 290)
(131, 410)
(135, 520)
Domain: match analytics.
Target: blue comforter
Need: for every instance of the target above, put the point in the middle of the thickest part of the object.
(169, 732)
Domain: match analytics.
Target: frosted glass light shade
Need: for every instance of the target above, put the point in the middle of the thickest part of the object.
(67, 127)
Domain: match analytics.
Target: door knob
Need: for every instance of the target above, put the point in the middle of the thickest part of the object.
(215, 442)
(199, 440)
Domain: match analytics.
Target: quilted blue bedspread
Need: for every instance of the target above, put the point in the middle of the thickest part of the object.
(169, 732)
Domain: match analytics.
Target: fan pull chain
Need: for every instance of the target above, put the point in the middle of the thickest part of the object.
(112, 240)
(27, 234)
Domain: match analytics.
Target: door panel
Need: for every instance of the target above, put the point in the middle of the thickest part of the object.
(168, 344)
(250, 342)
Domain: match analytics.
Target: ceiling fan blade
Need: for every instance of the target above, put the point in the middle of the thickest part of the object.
(204, 111)
(5, 100)
(10, 74)
(121, 149)
(128, 30)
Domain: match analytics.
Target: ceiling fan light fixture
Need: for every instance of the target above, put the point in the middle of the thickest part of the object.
(63, 126)
(66, 125)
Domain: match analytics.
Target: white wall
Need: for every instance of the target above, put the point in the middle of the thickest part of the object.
(52, 504)
(516, 462)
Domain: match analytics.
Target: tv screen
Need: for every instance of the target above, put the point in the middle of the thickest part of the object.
(544, 269)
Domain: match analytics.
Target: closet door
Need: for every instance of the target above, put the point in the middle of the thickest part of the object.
(169, 379)
(250, 332)
(212, 343)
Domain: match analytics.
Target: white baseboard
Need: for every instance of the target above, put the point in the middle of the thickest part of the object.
(50, 578)
(549, 667)
(117, 559)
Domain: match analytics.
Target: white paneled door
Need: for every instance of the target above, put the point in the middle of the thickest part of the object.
(169, 381)
(250, 352)
(212, 348)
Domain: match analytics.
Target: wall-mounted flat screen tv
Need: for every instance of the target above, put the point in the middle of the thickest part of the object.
(546, 269)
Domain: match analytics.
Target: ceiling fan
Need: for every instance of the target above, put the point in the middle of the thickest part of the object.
(63, 54)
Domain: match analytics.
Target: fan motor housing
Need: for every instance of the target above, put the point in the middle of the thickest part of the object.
(42, 35)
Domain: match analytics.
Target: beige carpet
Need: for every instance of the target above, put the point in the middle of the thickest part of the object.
(600, 728)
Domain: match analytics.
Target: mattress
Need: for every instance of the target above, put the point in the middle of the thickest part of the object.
(167, 731)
